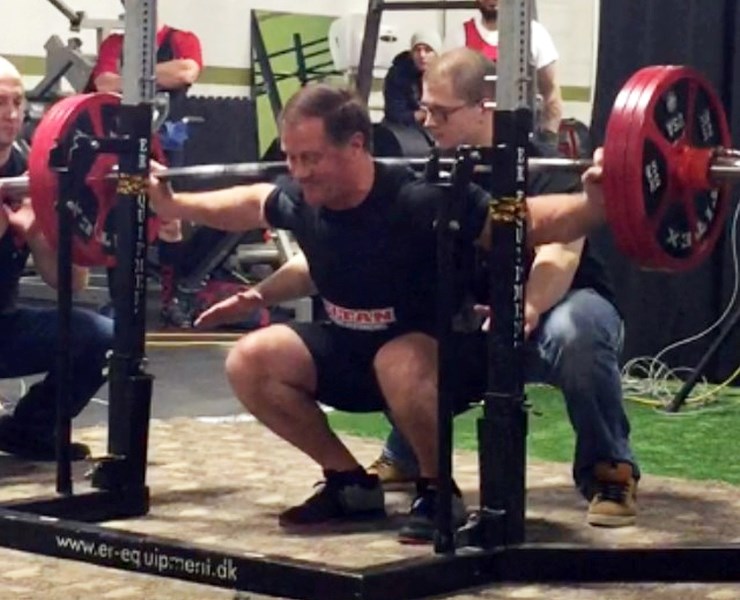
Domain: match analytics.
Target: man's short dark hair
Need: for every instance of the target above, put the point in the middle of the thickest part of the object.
(341, 110)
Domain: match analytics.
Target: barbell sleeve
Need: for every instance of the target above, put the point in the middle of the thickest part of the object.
(576, 165)
(246, 171)
(725, 166)
(14, 187)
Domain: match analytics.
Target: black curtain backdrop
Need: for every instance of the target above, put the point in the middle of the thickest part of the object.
(660, 308)
(227, 134)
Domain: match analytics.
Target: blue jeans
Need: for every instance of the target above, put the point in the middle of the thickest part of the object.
(28, 346)
(575, 348)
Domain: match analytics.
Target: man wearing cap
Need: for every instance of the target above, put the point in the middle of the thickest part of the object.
(402, 86)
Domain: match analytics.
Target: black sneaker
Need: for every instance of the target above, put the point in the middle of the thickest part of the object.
(421, 523)
(107, 310)
(176, 314)
(343, 496)
(15, 440)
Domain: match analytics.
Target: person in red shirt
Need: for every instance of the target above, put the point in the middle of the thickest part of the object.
(179, 64)
(481, 34)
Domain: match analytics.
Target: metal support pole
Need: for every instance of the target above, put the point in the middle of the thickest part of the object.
(63, 427)
(515, 87)
(369, 49)
(130, 386)
(728, 328)
(503, 427)
(259, 53)
(74, 16)
(449, 223)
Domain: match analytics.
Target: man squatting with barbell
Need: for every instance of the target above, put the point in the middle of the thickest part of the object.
(367, 232)
(28, 335)
(573, 326)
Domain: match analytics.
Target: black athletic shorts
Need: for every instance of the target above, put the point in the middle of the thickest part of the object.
(344, 366)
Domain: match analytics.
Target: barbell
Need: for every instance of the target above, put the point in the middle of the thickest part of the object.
(667, 168)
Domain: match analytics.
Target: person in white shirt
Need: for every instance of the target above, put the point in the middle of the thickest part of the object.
(481, 33)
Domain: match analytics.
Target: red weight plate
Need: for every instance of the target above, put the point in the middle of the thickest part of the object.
(615, 157)
(640, 250)
(86, 114)
(677, 221)
(104, 189)
(706, 208)
(650, 177)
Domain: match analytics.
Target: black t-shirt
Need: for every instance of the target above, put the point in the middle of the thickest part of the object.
(375, 265)
(13, 251)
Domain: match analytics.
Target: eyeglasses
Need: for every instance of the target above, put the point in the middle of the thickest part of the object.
(439, 113)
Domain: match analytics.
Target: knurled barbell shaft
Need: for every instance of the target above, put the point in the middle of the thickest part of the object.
(723, 166)
(265, 170)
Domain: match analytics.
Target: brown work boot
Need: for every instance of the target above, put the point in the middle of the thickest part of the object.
(389, 472)
(614, 503)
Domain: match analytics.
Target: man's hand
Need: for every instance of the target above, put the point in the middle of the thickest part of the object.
(531, 318)
(233, 309)
(21, 218)
(483, 310)
(593, 181)
(161, 196)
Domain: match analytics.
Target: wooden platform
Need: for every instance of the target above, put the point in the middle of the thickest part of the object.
(223, 485)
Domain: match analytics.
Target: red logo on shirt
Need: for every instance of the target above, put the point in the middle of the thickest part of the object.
(366, 319)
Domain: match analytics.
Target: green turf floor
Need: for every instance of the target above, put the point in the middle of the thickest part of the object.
(697, 443)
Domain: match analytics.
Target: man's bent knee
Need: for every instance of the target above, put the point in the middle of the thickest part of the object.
(411, 356)
(406, 363)
(584, 319)
(271, 354)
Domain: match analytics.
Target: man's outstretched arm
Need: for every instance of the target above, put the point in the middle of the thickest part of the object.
(238, 208)
(292, 280)
(564, 218)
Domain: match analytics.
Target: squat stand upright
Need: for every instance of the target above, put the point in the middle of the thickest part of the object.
(130, 386)
(120, 477)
